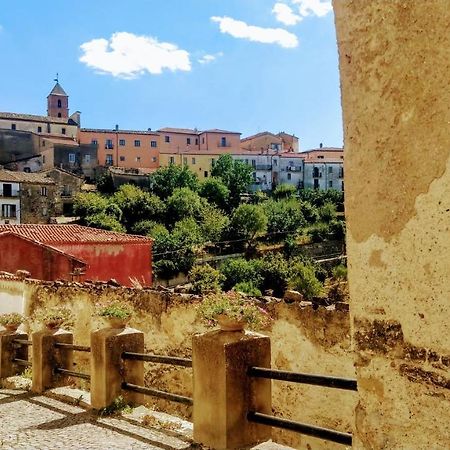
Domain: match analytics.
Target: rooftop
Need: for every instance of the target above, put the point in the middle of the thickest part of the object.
(70, 234)
(324, 149)
(23, 177)
(58, 90)
(119, 131)
(263, 133)
(32, 118)
(194, 131)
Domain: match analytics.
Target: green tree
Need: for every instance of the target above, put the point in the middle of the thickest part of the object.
(284, 216)
(310, 212)
(184, 203)
(147, 228)
(327, 212)
(215, 191)
(89, 203)
(105, 183)
(137, 205)
(166, 179)
(235, 174)
(240, 270)
(248, 221)
(213, 223)
(304, 280)
(276, 272)
(284, 191)
(105, 222)
(205, 279)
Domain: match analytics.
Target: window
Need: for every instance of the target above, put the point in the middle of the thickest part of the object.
(330, 169)
(94, 142)
(137, 143)
(253, 163)
(63, 130)
(167, 139)
(223, 142)
(138, 159)
(87, 158)
(185, 160)
(193, 160)
(43, 159)
(275, 162)
(109, 144)
(13, 126)
(341, 172)
(7, 190)
(153, 144)
(122, 142)
(43, 191)
(213, 161)
(154, 159)
(289, 176)
(27, 169)
(9, 211)
(275, 147)
(205, 174)
(44, 211)
(320, 157)
(316, 184)
(59, 115)
(203, 140)
(330, 184)
(71, 157)
(196, 141)
(122, 158)
(39, 129)
(66, 191)
(172, 160)
(109, 160)
(188, 141)
(59, 103)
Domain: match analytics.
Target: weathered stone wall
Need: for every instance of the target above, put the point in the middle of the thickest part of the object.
(395, 71)
(303, 339)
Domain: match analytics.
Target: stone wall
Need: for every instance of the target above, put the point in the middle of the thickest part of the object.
(303, 339)
(395, 68)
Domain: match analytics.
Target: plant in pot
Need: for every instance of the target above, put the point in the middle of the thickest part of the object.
(116, 313)
(57, 317)
(233, 311)
(11, 321)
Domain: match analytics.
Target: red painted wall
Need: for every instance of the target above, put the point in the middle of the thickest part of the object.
(43, 263)
(118, 261)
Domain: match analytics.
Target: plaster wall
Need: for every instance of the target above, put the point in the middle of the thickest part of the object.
(395, 66)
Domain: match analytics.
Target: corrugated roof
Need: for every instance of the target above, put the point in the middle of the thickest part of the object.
(23, 177)
(58, 90)
(70, 234)
(32, 118)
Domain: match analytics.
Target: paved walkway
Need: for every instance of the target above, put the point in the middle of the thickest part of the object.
(36, 422)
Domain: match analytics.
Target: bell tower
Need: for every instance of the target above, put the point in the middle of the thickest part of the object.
(58, 102)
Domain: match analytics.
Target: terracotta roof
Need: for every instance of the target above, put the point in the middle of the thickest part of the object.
(263, 133)
(325, 149)
(58, 90)
(323, 161)
(23, 177)
(179, 130)
(217, 130)
(292, 155)
(62, 141)
(70, 234)
(32, 118)
(106, 130)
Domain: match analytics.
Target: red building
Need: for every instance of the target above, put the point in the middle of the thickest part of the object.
(74, 252)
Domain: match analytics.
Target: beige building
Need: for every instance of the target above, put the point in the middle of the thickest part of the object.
(261, 142)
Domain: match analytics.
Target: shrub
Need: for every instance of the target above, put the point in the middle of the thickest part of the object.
(183, 203)
(337, 229)
(240, 270)
(248, 288)
(310, 212)
(276, 272)
(205, 279)
(105, 222)
(88, 204)
(116, 309)
(248, 221)
(284, 191)
(319, 232)
(327, 212)
(215, 191)
(213, 224)
(57, 316)
(339, 272)
(11, 319)
(284, 216)
(304, 280)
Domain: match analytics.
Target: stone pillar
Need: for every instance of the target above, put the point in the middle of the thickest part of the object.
(47, 357)
(9, 350)
(224, 394)
(109, 370)
(395, 71)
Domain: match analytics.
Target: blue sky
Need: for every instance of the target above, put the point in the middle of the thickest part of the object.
(242, 65)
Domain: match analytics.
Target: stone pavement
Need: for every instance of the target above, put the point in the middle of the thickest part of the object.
(39, 422)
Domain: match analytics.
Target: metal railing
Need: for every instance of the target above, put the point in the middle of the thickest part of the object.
(22, 342)
(158, 359)
(76, 348)
(21, 362)
(71, 373)
(303, 378)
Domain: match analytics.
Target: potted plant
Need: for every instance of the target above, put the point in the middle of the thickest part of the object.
(116, 313)
(232, 311)
(56, 317)
(11, 321)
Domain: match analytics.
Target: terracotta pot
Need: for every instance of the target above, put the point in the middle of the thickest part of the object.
(115, 322)
(229, 324)
(54, 324)
(12, 327)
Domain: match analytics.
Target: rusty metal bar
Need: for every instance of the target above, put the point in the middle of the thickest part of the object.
(305, 378)
(76, 348)
(157, 393)
(71, 373)
(172, 360)
(22, 362)
(22, 342)
(309, 430)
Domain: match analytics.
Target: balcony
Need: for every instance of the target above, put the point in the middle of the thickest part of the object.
(9, 194)
(294, 168)
(262, 167)
(224, 145)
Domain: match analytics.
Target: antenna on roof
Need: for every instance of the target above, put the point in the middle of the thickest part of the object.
(57, 77)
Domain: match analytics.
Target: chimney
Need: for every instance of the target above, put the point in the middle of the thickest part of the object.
(321, 145)
(149, 129)
(117, 127)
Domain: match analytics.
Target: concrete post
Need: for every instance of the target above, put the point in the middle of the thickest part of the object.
(9, 351)
(47, 357)
(109, 370)
(224, 394)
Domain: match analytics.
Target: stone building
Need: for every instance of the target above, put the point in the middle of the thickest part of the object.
(292, 169)
(26, 197)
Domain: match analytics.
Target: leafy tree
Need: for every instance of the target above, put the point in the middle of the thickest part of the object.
(310, 212)
(235, 174)
(105, 183)
(305, 281)
(284, 191)
(240, 270)
(337, 229)
(147, 228)
(284, 215)
(249, 220)
(184, 203)
(276, 272)
(215, 191)
(213, 223)
(259, 197)
(89, 203)
(104, 221)
(327, 212)
(166, 179)
(137, 205)
(205, 279)
(318, 197)
(319, 232)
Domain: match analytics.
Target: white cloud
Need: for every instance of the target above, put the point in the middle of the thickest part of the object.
(126, 55)
(285, 14)
(315, 7)
(206, 59)
(242, 30)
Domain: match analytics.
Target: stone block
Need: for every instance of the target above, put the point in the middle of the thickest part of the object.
(109, 370)
(9, 350)
(224, 394)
